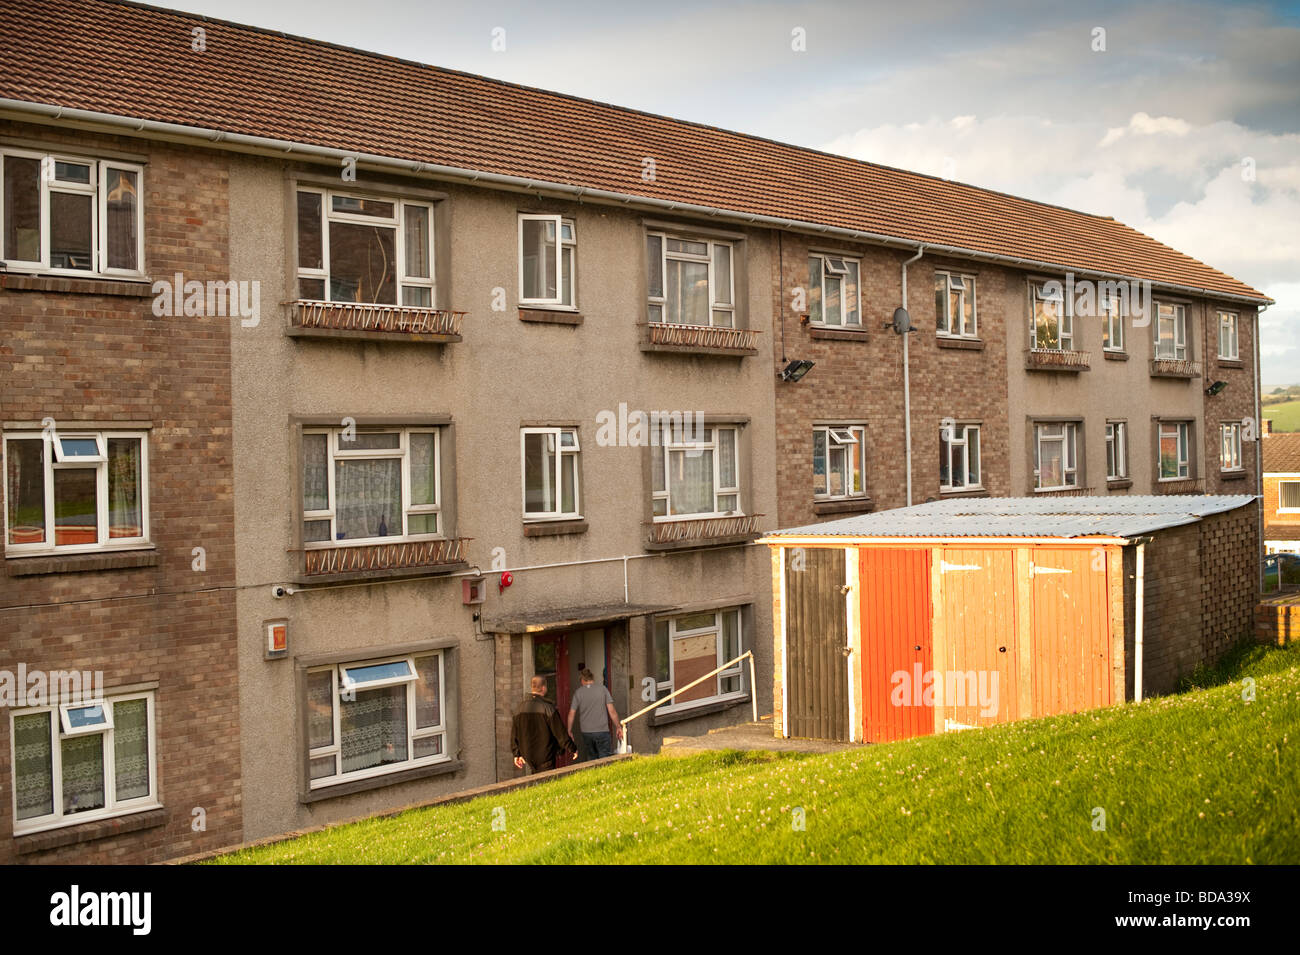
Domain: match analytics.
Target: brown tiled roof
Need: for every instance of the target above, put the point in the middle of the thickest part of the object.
(1281, 452)
(129, 60)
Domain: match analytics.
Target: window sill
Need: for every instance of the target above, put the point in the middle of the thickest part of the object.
(1236, 474)
(20, 566)
(549, 316)
(664, 716)
(836, 334)
(555, 528)
(108, 285)
(969, 492)
(1118, 484)
(853, 505)
(77, 833)
(1111, 355)
(968, 344)
(379, 782)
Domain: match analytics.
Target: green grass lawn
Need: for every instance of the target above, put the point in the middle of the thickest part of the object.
(1202, 777)
(1285, 415)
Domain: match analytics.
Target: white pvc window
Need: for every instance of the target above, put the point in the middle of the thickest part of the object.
(373, 717)
(550, 473)
(1230, 446)
(839, 461)
(696, 476)
(689, 646)
(1171, 332)
(548, 250)
(78, 762)
(70, 215)
(834, 291)
(1116, 450)
(364, 249)
(75, 491)
(690, 281)
(954, 301)
(1174, 444)
(959, 458)
(1112, 319)
(1056, 462)
(370, 486)
(1288, 497)
(1228, 335)
(1051, 318)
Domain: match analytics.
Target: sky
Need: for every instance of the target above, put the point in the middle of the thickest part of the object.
(1181, 119)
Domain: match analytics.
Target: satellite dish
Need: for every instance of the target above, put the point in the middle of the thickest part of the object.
(902, 321)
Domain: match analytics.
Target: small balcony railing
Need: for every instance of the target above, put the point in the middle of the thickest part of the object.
(703, 530)
(1174, 368)
(1063, 492)
(1057, 359)
(432, 324)
(714, 337)
(1183, 486)
(432, 555)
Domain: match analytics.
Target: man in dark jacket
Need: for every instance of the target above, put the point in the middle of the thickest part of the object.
(538, 731)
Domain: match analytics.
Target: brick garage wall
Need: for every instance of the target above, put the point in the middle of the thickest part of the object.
(92, 357)
(1277, 620)
(1201, 591)
(860, 379)
(1236, 402)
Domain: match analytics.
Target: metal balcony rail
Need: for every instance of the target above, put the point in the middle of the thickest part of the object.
(703, 336)
(1062, 358)
(753, 696)
(667, 532)
(399, 555)
(366, 317)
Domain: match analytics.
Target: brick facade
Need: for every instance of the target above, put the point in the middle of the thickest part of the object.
(143, 618)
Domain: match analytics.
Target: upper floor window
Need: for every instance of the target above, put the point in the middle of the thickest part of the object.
(690, 281)
(1174, 442)
(550, 457)
(74, 491)
(354, 248)
(1230, 446)
(954, 300)
(372, 486)
(1171, 332)
(82, 760)
(373, 717)
(1112, 322)
(839, 461)
(1288, 497)
(959, 457)
(696, 475)
(547, 260)
(1228, 335)
(1056, 458)
(1116, 450)
(688, 647)
(70, 215)
(833, 287)
(1051, 317)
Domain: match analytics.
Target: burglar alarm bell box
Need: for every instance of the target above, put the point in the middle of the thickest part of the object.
(473, 590)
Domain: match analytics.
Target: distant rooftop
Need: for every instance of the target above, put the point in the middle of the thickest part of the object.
(1129, 516)
(1282, 453)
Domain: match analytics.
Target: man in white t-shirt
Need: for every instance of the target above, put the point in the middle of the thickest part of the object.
(593, 707)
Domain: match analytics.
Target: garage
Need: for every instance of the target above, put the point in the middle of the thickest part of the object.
(967, 613)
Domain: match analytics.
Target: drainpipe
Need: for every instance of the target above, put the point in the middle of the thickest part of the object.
(1259, 448)
(1139, 599)
(907, 385)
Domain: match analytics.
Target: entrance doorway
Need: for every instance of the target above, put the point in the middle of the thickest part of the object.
(560, 657)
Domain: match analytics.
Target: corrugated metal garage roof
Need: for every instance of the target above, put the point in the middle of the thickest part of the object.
(1129, 516)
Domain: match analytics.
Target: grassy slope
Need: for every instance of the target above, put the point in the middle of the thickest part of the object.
(1202, 777)
(1285, 415)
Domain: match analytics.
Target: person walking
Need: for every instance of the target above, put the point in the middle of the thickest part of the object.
(537, 732)
(593, 708)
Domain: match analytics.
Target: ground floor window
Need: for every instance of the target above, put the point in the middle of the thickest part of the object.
(689, 646)
(375, 716)
(77, 762)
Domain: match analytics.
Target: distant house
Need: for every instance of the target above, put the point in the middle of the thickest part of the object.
(1281, 492)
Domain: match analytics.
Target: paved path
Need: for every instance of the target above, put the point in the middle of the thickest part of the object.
(747, 736)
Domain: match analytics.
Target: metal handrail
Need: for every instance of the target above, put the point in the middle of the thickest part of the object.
(753, 696)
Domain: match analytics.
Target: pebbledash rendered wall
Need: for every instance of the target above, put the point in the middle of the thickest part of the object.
(504, 374)
(91, 353)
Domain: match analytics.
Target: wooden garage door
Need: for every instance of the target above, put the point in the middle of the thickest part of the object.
(1071, 630)
(816, 628)
(978, 589)
(894, 589)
